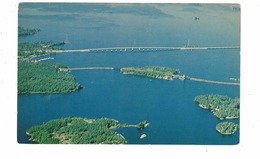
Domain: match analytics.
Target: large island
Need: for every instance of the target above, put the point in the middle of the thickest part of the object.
(158, 72)
(79, 131)
(222, 107)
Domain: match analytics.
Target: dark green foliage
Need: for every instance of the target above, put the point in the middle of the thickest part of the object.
(76, 131)
(41, 78)
(222, 107)
(23, 32)
(152, 72)
(141, 125)
(105, 122)
(28, 50)
(43, 135)
(227, 128)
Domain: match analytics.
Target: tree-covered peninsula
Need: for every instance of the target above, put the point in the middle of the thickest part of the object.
(29, 50)
(222, 107)
(227, 128)
(77, 131)
(152, 72)
(42, 78)
(23, 32)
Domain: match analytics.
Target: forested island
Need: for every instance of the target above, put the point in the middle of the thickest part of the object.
(24, 32)
(222, 107)
(227, 128)
(152, 72)
(78, 131)
(42, 78)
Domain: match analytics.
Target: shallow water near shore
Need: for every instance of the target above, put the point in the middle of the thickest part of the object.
(168, 106)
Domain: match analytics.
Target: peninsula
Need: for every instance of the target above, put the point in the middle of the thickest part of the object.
(29, 50)
(78, 131)
(43, 78)
(35, 77)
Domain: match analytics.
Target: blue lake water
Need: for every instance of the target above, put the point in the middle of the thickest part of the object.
(167, 105)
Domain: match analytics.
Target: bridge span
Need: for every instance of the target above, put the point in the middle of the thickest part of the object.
(144, 49)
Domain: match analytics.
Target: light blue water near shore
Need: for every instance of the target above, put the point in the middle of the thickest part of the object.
(168, 105)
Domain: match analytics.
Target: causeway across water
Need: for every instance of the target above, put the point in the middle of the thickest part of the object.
(177, 76)
(144, 49)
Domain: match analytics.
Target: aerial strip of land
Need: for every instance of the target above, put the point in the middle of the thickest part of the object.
(153, 72)
(144, 48)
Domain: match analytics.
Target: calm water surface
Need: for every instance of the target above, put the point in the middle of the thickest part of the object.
(168, 105)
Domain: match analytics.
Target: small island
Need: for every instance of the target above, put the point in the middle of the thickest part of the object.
(222, 107)
(142, 125)
(158, 72)
(227, 128)
(143, 136)
(24, 32)
(78, 131)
